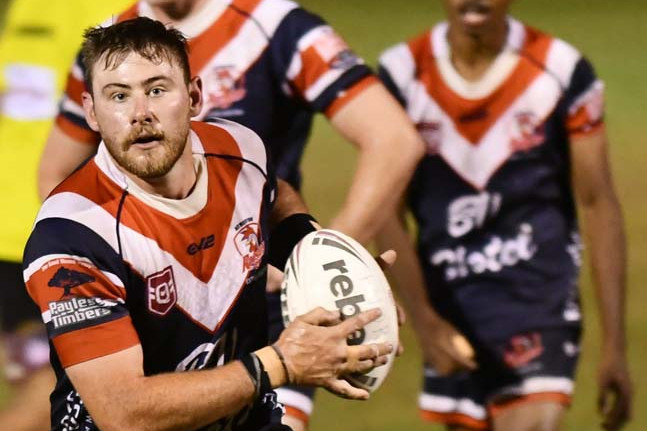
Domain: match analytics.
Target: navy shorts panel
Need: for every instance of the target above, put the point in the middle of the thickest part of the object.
(536, 362)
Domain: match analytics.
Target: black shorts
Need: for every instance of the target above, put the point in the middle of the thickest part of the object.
(23, 332)
(298, 400)
(536, 365)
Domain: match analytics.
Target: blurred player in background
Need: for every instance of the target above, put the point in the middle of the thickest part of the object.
(38, 45)
(513, 124)
(270, 65)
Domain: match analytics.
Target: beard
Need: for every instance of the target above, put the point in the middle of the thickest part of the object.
(152, 163)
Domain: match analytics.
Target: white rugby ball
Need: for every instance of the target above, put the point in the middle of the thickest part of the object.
(331, 270)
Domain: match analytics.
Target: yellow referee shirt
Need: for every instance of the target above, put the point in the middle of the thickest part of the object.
(37, 48)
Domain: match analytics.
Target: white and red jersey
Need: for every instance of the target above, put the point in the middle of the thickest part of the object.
(267, 64)
(498, 232)
(111, 267)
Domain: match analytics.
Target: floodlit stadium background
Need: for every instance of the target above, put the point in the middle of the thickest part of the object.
(613, 35)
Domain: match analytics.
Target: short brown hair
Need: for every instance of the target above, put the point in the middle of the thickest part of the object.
(144, 36)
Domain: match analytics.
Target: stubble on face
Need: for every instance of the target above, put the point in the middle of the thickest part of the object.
(133, 154)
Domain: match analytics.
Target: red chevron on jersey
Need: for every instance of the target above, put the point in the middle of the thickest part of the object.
(233, 195)
(477, 126)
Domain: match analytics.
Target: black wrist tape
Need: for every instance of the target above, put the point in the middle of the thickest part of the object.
(285, 236)
(257, 374)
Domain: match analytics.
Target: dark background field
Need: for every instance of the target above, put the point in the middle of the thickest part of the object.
(613, 34)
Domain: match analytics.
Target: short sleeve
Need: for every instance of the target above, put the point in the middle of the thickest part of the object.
(78, 282)
(584, 98)
(315, 64)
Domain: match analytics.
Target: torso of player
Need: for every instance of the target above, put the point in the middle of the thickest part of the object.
(492, 197)
(193, 282)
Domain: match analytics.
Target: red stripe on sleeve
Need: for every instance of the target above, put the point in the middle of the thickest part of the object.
(96, 341)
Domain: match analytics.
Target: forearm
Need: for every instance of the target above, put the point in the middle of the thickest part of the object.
(406, 273)
(389, 150)
(381, 176)
(604, 230)
(170, 401)
(61, 156)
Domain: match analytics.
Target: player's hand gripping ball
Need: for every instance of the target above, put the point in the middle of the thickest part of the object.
(331, 270)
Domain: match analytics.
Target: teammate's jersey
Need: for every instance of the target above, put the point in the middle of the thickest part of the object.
(498, 234)
(267, 64)
(36, 50)
(112, 267)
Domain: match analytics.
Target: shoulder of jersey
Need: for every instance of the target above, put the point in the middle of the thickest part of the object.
(241, 141)
(560, 57)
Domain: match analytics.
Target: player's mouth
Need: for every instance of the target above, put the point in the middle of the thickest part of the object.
(147, 140)
(474, 13)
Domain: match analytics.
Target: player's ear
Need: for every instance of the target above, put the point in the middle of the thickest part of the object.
(195, 95)
(88, 109)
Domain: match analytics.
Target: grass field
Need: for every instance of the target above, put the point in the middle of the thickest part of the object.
(613, 34)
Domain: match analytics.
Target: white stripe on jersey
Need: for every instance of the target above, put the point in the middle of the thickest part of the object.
(401, 66)
(249, 143)
(441, 404)
(303, 44)
(243, 50)
(477, 163)
(294, 399)
(561, 61)
(69, 105)
(76, 71)
(534, 385)
(321, 84)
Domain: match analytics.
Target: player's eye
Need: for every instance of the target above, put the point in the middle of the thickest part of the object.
(157, 91)
(118, 97)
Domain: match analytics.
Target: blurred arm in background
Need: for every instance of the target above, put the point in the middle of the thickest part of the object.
(603, 228)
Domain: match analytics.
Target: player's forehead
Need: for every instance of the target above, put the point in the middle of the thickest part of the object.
(132, 68)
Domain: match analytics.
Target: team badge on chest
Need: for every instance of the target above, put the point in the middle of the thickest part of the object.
(162, 294)
(249, 244)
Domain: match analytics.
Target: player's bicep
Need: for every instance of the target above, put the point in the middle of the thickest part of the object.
(591, 172)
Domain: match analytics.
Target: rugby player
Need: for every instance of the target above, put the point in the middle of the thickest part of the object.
(513, 123)
(271, 65)
(149, 262)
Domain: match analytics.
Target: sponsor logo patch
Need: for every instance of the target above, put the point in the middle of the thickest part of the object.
(522, 349)
(78, 310)
(68, 279)
(162, 294)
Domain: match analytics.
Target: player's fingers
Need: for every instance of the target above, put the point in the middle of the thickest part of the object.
(619, 407)
(345, 390)
(320, 317)
(386, 259)
(355, 323)
(365, 357)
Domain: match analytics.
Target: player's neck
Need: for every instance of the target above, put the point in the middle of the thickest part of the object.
(177, 183)
(177, 10)
(473, 54)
